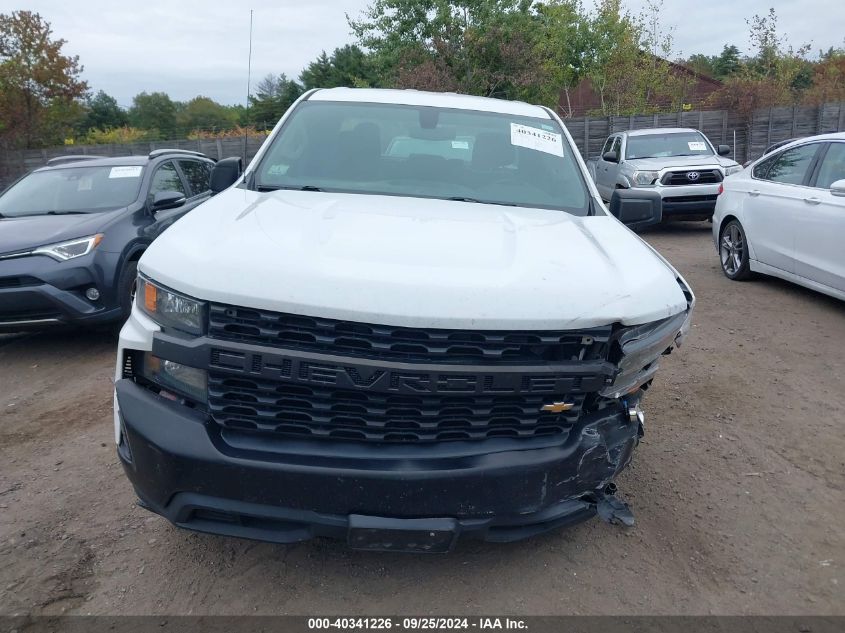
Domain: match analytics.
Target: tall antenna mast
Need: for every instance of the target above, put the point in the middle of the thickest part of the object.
(248, 85)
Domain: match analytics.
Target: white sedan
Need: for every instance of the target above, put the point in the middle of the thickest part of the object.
(785, 216)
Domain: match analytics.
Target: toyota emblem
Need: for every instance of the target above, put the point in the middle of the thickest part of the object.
(692, 175)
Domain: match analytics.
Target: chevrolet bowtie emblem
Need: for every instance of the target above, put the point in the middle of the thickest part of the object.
(557, 407)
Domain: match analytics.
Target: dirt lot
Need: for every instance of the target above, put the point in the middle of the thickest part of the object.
(737, 490)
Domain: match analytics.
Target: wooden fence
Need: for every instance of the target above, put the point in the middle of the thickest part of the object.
(747, 138)
(778, 124)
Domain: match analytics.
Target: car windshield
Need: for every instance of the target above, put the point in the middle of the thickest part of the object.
(425, 152)
(72, 190)
(668, 144)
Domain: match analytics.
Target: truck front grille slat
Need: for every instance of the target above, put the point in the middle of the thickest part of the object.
(277, 407)
(280, 330)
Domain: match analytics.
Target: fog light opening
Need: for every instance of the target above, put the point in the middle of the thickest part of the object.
(92, 293)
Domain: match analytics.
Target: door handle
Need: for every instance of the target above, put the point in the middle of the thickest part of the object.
(812, 200)
(754, 192)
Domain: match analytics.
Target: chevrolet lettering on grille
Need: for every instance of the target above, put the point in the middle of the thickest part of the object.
(353, 375)
(360, 374)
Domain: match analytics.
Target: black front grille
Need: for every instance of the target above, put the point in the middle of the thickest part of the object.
(347, 338)
(18, 282)
(257, 404)
(705, 177)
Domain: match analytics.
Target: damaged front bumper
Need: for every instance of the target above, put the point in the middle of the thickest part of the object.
(379, 497)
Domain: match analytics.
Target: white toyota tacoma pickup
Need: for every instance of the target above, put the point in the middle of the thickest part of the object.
(410, 318)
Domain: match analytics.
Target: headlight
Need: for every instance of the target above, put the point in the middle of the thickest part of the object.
(644, 178)
(732, 170)
(170, 309)
(182, 379)
(68, 250)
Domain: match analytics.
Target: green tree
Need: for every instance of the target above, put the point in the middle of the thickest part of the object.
(103, 113)
(476, 46)
(774, 74)
(720, 66)
(205, 114)
(704, 64)
(347, 66)
(273, 96)
(39, 86)
(728, 63)
(154, 112)
(318, 74)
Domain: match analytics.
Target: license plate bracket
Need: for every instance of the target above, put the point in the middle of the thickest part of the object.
(380, 534)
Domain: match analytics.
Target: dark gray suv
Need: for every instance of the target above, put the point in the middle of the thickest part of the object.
(71, 233)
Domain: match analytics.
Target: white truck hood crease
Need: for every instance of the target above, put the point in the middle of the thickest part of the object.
(413, 262)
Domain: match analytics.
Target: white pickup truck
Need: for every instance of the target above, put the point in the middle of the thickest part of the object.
(410, 319)
(680, 164)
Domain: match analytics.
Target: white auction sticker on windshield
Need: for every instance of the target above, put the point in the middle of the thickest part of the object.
(697, 146)
(126, 171)
(536, 139)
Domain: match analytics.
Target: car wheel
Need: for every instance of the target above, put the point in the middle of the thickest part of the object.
(126, 288)
(733, 252)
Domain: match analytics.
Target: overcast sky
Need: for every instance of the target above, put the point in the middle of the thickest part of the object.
(191, 47)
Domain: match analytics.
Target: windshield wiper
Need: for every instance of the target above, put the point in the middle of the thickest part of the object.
(66, 213)
(290, 187)
(477, 201)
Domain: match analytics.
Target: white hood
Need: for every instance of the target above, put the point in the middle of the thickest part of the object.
(413, 262)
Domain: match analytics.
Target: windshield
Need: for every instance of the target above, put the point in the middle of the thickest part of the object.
(425, 152)
(669, 144)
(72, 190)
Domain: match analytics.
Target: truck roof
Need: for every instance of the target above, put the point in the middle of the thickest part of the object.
(437, 99)
(660, 130)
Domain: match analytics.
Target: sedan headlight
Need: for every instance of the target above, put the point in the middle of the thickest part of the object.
(70, 249)
(171, 309)
(181, 379)
(733, 170)
(644, 178)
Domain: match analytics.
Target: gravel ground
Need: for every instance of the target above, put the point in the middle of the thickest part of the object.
(737, 490)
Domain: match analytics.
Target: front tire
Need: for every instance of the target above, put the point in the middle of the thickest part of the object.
(126, 289)
(733, 252)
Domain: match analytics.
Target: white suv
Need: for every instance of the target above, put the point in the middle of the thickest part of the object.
(411, 318)
(785, 216)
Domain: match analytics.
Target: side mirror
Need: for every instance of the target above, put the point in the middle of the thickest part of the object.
(636, 208)
(225, 173)
(723, 150)
(838, 189)
(610, 157)
(167, 200)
